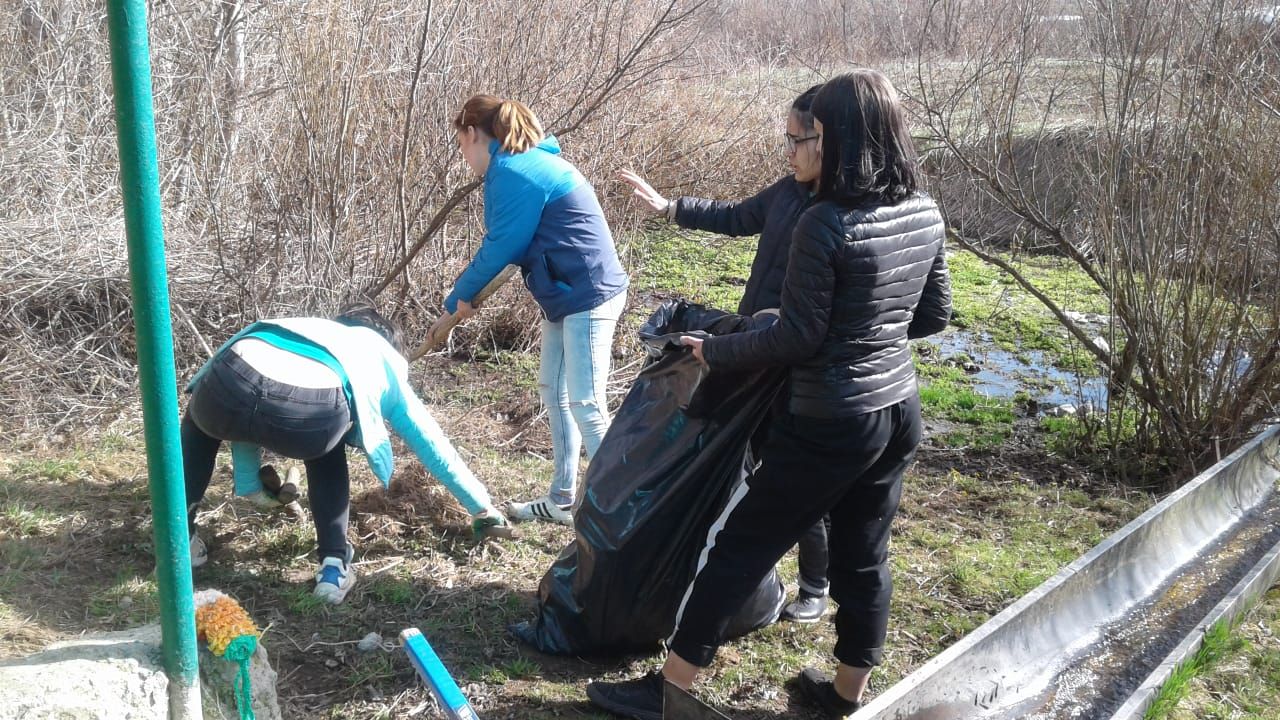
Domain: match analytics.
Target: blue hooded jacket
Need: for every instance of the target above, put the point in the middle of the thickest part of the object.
(540, 213)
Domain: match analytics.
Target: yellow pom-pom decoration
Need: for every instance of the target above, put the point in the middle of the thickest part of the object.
(221, 621)
(231, 634)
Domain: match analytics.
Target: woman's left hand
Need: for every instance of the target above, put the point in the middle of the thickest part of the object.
(696, 344)
(465, 310)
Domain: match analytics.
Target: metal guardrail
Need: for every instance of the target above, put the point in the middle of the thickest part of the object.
(1098, 639)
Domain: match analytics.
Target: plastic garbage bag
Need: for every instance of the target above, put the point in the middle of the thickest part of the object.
(674, 452)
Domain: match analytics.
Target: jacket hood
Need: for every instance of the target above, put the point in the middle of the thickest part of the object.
(549, 144)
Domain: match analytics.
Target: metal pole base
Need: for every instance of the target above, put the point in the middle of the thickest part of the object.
(184, 701)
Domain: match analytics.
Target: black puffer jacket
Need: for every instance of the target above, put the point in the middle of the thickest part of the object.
(772, 213)
(859, 283)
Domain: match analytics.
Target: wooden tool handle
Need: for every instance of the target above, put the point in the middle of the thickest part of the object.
(439, 331)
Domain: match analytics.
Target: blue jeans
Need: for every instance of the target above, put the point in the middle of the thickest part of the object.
(576, 353)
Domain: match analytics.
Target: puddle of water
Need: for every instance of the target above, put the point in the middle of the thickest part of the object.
(1003, 373)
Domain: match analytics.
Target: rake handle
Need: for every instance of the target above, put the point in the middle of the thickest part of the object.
(440, 329)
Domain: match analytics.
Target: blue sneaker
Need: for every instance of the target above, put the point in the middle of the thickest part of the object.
(334, 579)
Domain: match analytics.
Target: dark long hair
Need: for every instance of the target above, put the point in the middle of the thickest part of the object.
(867, 154)
(362, 314)
(802, 106)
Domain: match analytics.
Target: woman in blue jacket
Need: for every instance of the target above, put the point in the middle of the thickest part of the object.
(540, 213)
(305, 388)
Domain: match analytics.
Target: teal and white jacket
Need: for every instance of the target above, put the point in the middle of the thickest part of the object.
(377, 382)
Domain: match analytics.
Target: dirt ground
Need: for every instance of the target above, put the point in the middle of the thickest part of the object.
(977, 528)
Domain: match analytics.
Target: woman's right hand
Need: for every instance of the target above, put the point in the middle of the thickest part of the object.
(696, 344)
(645, 191)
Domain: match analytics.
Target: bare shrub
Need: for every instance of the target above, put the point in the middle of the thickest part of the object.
(305, 151)
(1162, 189)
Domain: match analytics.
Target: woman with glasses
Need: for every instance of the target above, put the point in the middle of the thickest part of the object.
(772, 213)
(867, 272)
(540, 213)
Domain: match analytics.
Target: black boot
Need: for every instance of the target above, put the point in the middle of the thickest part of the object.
(822, 692)
(640, 698)
(807, 608)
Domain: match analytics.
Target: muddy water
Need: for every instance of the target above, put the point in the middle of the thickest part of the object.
(1001, 373)
(1095, 682)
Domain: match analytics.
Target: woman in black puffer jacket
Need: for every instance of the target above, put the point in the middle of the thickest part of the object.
(866, 272)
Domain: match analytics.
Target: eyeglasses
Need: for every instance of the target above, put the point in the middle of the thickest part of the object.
(794, 142)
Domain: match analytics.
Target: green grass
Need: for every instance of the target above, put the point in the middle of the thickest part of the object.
(946, 393)
(987, 300)
(1218, 641)
(25, 520)
(291, 539)
(128, 602)
(520, 668)
(1235, 675)
(700, 267)
(990, 419)
(393, 590)
(57, 469)
(1033, 534)
(370, 668)
(301, 601)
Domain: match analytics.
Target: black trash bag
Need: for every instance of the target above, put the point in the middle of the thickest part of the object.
(661, 477)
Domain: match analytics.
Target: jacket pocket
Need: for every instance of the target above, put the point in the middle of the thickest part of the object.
(557, 280)
(542, 281)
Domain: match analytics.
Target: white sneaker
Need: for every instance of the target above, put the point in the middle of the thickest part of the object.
(541, 509)
(262, 500)
(334, 580)
(199, 551)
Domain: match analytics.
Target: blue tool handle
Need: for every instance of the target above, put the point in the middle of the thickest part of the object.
(434, 674)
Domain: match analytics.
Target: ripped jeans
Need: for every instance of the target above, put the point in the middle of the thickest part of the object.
(576, 353)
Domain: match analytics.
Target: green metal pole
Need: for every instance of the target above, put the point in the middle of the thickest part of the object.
(140, 185)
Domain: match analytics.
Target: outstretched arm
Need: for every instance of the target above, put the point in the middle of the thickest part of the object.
(736, 218)
(410, 419)
(513, 209)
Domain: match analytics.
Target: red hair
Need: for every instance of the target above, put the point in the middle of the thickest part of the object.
(510, 122)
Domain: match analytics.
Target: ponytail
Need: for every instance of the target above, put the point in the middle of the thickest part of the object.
(516, 127)
(510, 122)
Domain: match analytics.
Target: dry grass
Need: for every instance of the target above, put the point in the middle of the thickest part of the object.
(305, 154)
(73, 566)
(977, 528)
